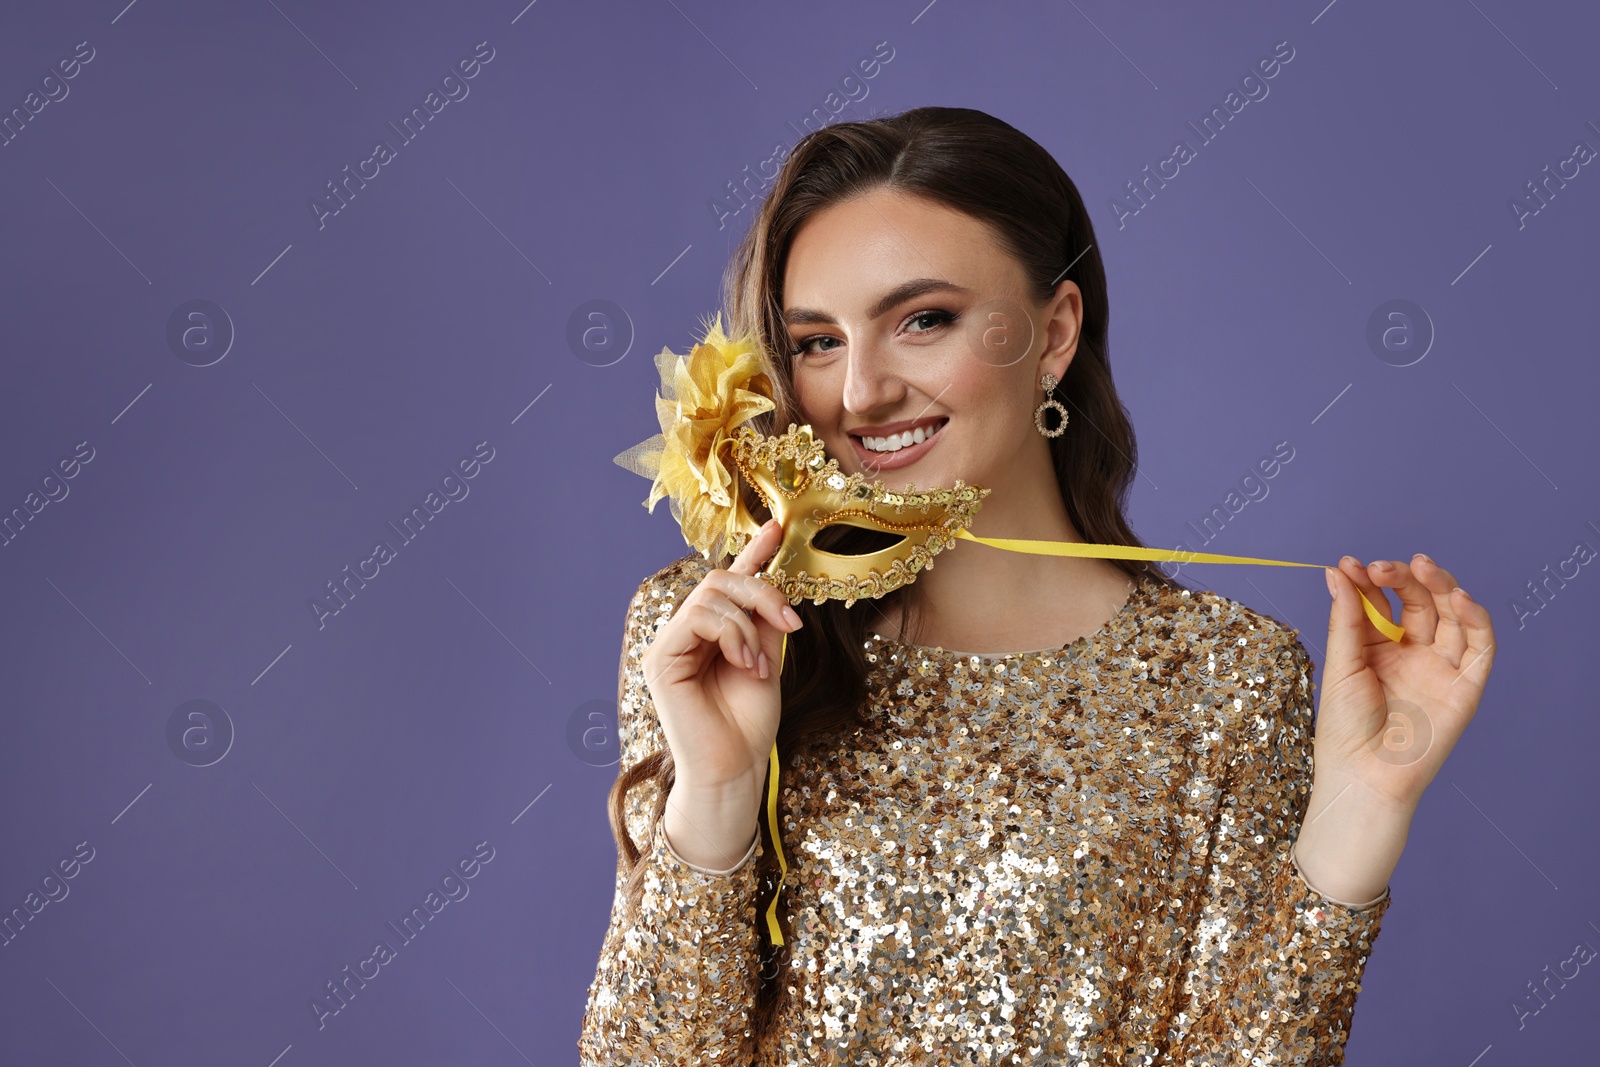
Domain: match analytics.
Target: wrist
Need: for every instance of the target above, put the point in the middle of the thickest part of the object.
(733, 792)
(711, 828)
(1350, 841)
(1349, 796)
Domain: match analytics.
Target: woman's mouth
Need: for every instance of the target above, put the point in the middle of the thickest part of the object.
(896, 450)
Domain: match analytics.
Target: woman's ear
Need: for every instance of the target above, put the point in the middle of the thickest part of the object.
(1062, 326)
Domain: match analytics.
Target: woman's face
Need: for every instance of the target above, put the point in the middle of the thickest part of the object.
(906, 315)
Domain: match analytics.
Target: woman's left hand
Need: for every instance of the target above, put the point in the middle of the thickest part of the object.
(1390, 712)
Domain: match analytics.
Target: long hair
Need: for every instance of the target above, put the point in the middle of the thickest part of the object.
(977, 164)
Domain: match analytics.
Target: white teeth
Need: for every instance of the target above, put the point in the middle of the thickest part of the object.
(895, 442)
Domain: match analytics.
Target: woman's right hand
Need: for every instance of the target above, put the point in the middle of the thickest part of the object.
(712, 671)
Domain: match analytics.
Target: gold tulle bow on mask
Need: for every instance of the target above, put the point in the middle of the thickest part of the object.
(704, 397)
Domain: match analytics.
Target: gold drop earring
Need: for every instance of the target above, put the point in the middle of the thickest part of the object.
(1048, 382)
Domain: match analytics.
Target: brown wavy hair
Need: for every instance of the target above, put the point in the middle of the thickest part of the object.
(975, 163)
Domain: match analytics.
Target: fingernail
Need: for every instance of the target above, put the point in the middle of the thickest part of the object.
(749, 657)
(763, 664)
(1462, 591)
(1333, 590)
(1383, 565)
(793, 617)
(1423, 556)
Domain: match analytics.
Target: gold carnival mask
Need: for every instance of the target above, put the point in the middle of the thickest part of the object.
(807, 492)
(705, 396)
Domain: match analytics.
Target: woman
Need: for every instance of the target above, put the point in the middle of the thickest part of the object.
(1107, 848)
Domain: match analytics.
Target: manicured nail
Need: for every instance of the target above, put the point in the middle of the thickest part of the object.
(1424, 557)
(763, 664)
(1333, 590)
(1462, 591)
(792, 616)
(749, 657)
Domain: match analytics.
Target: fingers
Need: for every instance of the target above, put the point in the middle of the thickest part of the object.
(1347, 626)
(1349, 629)
(1434, 610)
(1470, 638)
(1449, 637)
(719, 623)
(1352, 569)
(750, 592)
(724, 608)
(759, 549)
(1419, 613)
(1427, 569)
(1474, 620)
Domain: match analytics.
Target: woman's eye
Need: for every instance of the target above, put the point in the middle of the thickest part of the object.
(804, 348)
(937, 319)
(930, 320)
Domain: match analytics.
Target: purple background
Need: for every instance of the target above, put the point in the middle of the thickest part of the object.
(372, 353)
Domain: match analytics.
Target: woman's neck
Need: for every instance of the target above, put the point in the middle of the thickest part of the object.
(978, 598)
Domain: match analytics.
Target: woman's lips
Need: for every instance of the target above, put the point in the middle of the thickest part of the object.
(887, 461)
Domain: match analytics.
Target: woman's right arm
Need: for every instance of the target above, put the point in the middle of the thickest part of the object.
(678, 975)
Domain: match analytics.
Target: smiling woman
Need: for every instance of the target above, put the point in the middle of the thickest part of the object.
(1089, 851)
(936, 310)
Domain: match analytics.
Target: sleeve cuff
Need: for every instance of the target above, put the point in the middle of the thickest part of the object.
(1379, 899)
(661, 831)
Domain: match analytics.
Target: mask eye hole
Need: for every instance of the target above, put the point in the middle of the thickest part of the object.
(843, 539)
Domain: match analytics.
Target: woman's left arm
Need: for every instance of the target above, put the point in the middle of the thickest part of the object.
(1271, 966)
(1389, 714)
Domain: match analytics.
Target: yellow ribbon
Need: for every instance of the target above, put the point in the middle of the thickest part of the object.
(1393, 631)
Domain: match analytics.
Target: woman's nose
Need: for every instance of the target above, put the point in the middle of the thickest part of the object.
(869, 385)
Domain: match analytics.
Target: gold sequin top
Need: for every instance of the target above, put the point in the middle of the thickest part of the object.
(1074, 856)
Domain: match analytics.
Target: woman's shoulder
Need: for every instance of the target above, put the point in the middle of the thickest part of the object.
(1206, 621)
(663, 590)
(1245, 666)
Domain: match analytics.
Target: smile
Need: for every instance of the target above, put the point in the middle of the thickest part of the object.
(896, 450)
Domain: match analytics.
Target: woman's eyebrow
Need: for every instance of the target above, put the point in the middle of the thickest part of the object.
(898, 295)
